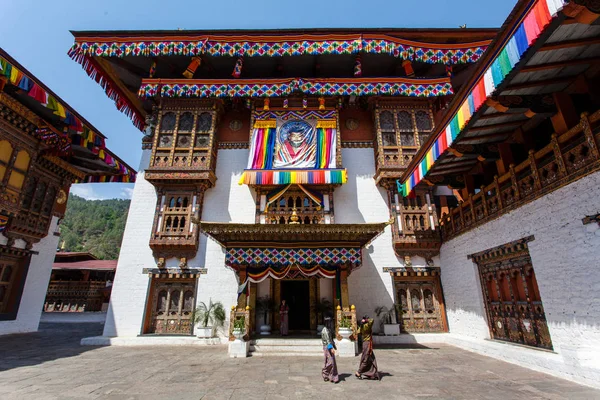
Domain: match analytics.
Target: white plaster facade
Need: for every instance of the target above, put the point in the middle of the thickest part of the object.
(358, 201)
(564, 254)
(566, 259)
(36, 283)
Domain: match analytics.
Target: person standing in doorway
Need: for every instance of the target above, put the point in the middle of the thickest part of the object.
(283, 318)
(329, 372)
(368, 363)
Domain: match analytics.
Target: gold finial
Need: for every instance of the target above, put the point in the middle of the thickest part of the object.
(294, 218)
(338, 308)
(247, 308)
(352, 307)
(232, 308)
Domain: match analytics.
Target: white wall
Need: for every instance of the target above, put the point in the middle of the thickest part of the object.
(225, 202)
(36, 284)
(566, 259)
(361, 201)
(129, 291)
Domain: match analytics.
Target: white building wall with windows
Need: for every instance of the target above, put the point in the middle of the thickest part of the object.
(566, 259)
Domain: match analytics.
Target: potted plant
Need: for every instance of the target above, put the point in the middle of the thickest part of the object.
(264, 306)
(203, 315)
(345, 328)
(387, 319)
(239, 327)
(324, 308)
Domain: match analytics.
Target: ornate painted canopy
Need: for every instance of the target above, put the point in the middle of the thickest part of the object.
(273, 249)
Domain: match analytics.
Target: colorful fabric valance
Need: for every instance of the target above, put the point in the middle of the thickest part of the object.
(284, 87)
(277, 46)
(529, 29)
(285, 177)
(3, 222)
(256, 275)
(324, 257)
(84, 136)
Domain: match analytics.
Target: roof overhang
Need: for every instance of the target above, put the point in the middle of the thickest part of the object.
(564, 50)
(291, 236)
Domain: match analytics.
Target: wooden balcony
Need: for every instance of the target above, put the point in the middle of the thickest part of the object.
(176, 236)
(565, 159)
(413, 232)
(392, 161)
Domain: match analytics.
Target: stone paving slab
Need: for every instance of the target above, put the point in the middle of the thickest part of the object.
(51, 364)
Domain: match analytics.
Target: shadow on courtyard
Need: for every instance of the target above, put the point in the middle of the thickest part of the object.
(53, 341)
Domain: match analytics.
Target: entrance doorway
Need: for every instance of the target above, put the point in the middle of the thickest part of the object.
(297, 296)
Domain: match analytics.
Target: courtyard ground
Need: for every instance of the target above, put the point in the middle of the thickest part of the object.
(50, 364)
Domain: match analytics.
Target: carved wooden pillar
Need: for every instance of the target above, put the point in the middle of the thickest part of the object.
(252, 304)
(589, 135)
(277, 300)
(566, 117)
(344, 285)
(242, 298)
(506, 158)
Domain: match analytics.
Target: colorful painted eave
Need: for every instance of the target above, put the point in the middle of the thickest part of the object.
(283, 87)
(277, 46)
(525, 31)
(85, 135)
(288, 176)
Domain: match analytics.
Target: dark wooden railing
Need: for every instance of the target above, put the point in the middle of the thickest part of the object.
(567, 157)
(75, 296)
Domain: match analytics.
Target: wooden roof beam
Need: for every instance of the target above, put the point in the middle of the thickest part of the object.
(570, 43)
(561, 64)
(495, 126)
(547, 82)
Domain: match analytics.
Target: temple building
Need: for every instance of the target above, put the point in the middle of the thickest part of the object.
(79, 282)
(45, 147)
(446, 176)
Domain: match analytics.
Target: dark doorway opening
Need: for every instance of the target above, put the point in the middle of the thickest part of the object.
(296, 294)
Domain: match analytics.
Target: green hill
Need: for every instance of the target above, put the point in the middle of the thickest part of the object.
(95, 226)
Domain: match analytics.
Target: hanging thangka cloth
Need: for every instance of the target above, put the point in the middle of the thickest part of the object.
(294, 144)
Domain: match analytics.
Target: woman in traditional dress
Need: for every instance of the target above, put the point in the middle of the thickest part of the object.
(283, 318)
(368, 363)
(329, 372)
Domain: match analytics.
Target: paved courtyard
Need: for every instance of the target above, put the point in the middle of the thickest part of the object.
(50, 364)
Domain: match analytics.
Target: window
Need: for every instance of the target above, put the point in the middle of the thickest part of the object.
(176, 210)
(419, 303)
(293, 207)
(407, 128)
(512, 300)
(184, 140)
(13, 172)
(12, 273)
(171, 304)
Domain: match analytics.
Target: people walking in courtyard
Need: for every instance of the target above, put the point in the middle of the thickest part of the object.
(368, 363)
(329, 372)
(283, 318)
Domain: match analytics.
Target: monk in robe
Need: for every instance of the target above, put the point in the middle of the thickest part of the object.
(368, 363)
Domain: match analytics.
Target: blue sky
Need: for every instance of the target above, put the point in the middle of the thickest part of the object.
(36, 33)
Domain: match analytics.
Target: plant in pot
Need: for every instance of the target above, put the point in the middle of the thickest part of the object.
(239, 327)
(345, 328)
(208, 318)
(324, 308)
(264, 306)
(387, 319)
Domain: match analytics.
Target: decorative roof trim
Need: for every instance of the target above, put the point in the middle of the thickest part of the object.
(284, 87)
(279, 45)
(526, 29)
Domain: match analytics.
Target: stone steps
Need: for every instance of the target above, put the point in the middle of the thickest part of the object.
(263, 347)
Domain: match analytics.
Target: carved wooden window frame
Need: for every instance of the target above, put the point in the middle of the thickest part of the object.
(399, 147)
(513, 304)
(192, 156)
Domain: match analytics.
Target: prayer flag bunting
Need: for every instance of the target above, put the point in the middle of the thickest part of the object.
(529, 29)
